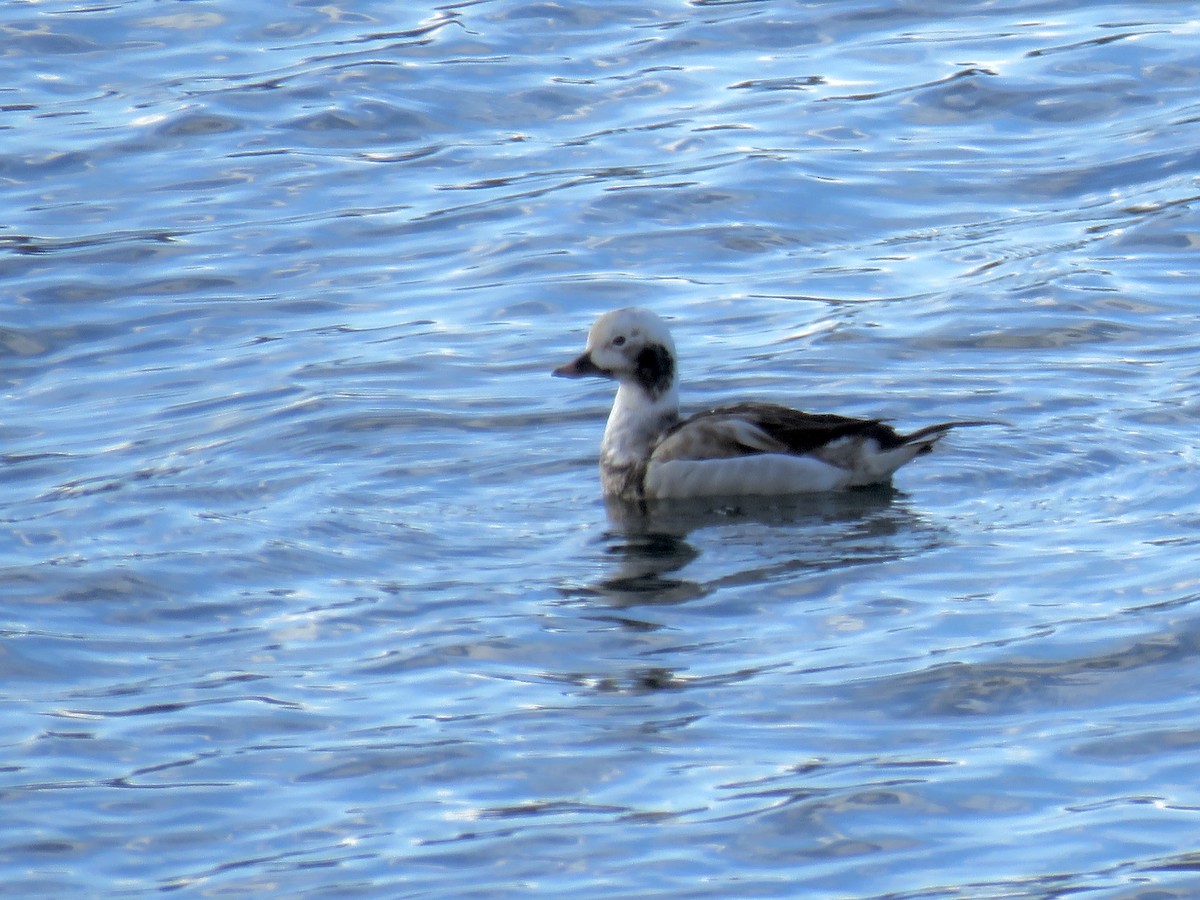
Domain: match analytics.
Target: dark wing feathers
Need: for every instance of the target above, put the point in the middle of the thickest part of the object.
(798, 432)
(803, 432)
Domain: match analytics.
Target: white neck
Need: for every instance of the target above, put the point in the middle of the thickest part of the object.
(636, 422)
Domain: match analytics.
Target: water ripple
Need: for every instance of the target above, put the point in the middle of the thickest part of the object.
(301, 542)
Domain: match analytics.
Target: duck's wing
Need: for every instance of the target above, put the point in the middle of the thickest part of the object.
(756, 448)
(762, 448)
(751, 428)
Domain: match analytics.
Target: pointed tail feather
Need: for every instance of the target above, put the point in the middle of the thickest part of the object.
(929, 435)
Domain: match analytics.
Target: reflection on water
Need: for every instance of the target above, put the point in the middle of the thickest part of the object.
(649, 540)
(650, 546)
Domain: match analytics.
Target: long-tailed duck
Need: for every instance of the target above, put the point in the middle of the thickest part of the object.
(649, 452)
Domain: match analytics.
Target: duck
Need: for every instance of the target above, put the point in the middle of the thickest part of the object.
(650, 452)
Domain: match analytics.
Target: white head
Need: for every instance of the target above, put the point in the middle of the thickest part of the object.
(634, 348)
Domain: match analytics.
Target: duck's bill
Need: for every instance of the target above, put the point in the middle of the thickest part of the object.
(580, 367)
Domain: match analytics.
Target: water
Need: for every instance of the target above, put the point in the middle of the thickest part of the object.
(308, 589)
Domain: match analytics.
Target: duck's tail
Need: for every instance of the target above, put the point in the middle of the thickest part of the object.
(924, 438)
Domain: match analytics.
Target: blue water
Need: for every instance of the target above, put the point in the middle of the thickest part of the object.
(307, 587)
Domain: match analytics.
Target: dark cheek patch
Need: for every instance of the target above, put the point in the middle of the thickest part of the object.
(655, 369)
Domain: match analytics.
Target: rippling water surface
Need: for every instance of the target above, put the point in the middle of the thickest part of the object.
(307, 587)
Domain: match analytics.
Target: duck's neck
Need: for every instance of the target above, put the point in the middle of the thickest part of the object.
(638, 419)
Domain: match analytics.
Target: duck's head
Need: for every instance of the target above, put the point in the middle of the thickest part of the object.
(631, 346)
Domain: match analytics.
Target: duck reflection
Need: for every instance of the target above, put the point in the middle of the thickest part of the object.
(649, 540)
(750, 550)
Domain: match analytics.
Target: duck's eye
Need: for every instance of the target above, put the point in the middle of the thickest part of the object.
(619, 341)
